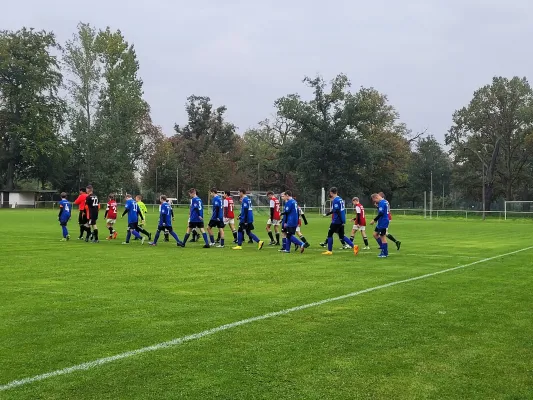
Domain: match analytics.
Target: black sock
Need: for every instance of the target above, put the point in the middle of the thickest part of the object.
(366, 241)
(88, 230)
(110, 230)
(187, 235)
(95, 234)
(343, 242)
(303, 239)
(234, 235)
(166, 236)
(389, 236)
(218, 236)
(271, 236)
(82, 229)
(352, 238)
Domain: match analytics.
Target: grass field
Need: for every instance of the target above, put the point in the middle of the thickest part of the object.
(462, 334)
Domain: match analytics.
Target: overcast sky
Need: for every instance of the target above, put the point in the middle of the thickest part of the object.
(428, 56)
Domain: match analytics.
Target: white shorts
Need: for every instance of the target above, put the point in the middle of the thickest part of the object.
(229, 221)
(111, 221)
(297, 229)
(359, 228)
(273, 222)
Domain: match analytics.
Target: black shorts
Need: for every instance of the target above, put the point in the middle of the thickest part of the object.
(216, 224)
(381, 231)
(165, 228)
(290, 230)
(193, 225)
(82, 218)
(93, 218)
(336, 228)
(249, 227)
(133, 225)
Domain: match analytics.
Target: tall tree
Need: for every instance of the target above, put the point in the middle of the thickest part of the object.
(490, 134)
(31, 111)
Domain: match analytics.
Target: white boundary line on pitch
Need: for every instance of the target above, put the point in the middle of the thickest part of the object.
(175, 342)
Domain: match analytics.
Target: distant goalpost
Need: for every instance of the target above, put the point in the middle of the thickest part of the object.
(518, 207)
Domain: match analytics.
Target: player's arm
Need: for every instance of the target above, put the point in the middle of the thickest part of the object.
(140, 214)
(106, 211)
(60, 211)
(78, 201)
(272, 205)
(226, 207)
(381, 213)
(303, 218)
(245, 206)
(125, 211)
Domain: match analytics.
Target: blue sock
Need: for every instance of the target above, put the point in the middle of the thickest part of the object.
(296, 241)
(65, 232)
(379, 242)
(222, 241)
(156, 238)
(330, 244)
(136, 234)
(240, 238)
(174, 235)
(284, 243)
(187, 235)
(348, 241)
(385, 249)
(254, 238)
(206, 240)
(287, 245)
(128, 236)
(212, 238)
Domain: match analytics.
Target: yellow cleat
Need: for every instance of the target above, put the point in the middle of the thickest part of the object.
(237, 248)
(355, 249)
(327, 253)
(260, 245)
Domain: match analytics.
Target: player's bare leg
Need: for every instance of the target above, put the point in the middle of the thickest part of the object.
(270, 234)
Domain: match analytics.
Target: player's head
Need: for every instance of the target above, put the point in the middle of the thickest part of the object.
(213, 191)
(227, 193)
(128, 196)
(83, 190)
(139, 197)
(270, 193)
(89, 189)
(111, 196)
(163, 198)
(242, 193)
(382, 195)
(333, 192)
(376, 198)
(355, 200)
(288, 194)
(192, 192)
(63, 195)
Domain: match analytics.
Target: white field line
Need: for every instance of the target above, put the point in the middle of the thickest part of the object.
(183, 339)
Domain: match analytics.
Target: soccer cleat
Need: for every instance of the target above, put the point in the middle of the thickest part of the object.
(323, 244)
(306, 245)
(125, 242)
(260, 245)
(180, 244)
(212, 244)
(302, 249)
(283, 251)
(95, 241)
(152, 244)
(327, 253)
(68, 238)
(366, 248)
(108, 238)
(63, 240)
(206, 246)
(250, 241)
(277, 244)
(272, 244)
(237, 248)
(115, 234)
(398, 244)
(142, 241)
(346, 247)
(382, 256)
(355, 249)
(219, 246)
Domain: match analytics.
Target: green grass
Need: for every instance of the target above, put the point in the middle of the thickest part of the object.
(465, 334)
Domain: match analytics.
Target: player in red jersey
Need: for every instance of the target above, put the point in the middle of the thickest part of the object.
(82, 217)
(359, 222)
(111, 217)
(389, 236)
(229, 214)
(274, 220)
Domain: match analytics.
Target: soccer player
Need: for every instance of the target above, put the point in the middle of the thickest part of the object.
(291, 216)
(338, 210)
(132, 209)
(301, 216)
(246, 222)
(359, 222)
(165, 222)
(165, 233)
(382, 219)
(82, 217)
(196, 218)
(229, 214)
(64, 216)
(92, 205)
(111, 217)
(217, 219)
(144, 210)
(274, 219)
(389, 236)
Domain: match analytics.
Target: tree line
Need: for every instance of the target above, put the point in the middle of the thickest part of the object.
(74, 113)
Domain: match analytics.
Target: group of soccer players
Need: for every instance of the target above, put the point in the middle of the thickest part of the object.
(223, 214)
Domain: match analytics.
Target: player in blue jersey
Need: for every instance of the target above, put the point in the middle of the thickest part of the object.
(64, 215)
(133, 211)
(165, 222)
(217, 218)
(196, 218)
(389, 236)
(291, 217)
(338, 213)
(246, 222)
(382, 219)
